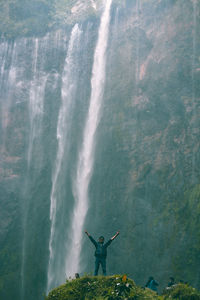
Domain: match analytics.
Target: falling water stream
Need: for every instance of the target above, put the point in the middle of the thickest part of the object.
(8, 82)
(69, 84)
(195, 117)
(137, 44)
(35, 96)
(86, 154)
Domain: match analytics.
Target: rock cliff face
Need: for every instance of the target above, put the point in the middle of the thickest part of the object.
(145, 179)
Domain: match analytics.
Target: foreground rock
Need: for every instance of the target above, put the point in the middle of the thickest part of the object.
(116, 288)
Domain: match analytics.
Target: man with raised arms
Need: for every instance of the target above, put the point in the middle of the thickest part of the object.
(101, 251)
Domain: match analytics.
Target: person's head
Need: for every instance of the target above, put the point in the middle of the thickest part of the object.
(101, 239)
(151, 277)
(181, 281)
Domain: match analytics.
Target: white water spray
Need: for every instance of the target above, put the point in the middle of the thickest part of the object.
(137, 45)
(35, 93)
(193, 83)
(36, 100)
(86, 155)
(69, 84)
(8, 82)
(3, 51)
(194, 47)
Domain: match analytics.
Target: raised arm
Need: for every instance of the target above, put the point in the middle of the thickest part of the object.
(112, 238)
(91, 238)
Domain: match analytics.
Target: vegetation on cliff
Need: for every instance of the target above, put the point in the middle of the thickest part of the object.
(36, 17)
(116, 287)
(20, 18)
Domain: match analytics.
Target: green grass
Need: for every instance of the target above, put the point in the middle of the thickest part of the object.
(181, 292)
(116, 288)
(100, 287)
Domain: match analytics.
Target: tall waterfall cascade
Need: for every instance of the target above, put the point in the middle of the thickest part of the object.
(69, 84)
(86, 155)
(36, 102)
(194, 54)
(34, 94)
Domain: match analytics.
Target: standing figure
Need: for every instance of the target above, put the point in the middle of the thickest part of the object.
(171, 282)
(152, 284)
(101, 252)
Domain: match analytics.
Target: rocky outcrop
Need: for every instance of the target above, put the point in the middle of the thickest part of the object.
(117, 287)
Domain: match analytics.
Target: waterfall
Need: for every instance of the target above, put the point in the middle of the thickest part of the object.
(38, 82)
(8, 83)
(194, 44)
(137, 44)
(34, 95)
(86, 154)
(68, 92)
(4, 48)
(195, 117)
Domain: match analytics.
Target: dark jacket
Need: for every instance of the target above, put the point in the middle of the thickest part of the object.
(152, 284)
(101, 249)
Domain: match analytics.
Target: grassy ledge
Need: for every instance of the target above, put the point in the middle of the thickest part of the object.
(116, 288)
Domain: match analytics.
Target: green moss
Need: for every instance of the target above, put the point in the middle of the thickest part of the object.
(181, 292)
(100, 287)
(183, 210)
(116, 288)
(22, 18)
(36, 17)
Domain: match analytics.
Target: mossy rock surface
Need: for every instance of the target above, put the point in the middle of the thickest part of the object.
(117, 287)
(181, 292)
(100, 287)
